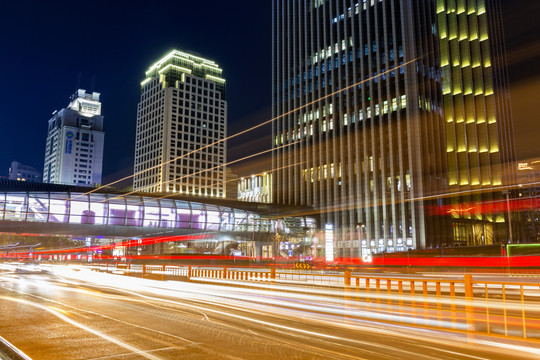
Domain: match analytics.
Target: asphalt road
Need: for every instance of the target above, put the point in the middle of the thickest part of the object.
(89, 315)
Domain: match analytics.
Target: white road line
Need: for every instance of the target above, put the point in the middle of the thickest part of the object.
(84, 327)
(14, 349)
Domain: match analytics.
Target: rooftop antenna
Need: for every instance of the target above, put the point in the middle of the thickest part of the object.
(78, 81)
(93, 83)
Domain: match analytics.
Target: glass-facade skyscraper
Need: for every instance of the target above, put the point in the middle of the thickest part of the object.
(181, 127)
(392, 108)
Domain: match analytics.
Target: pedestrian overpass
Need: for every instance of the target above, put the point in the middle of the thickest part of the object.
(36, 208)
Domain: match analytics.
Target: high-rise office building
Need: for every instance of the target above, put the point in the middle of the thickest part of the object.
(389, 107)
(75, 138)
(181, 127)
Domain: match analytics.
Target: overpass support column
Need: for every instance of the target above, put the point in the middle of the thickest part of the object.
(257, 245)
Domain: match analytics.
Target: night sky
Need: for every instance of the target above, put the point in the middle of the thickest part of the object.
(48, 45)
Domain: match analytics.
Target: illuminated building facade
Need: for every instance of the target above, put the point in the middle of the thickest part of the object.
(181, 116)
(387, 105)
(477, 117)
(75, 139)
(21, 172)
(528, 194)
(256, 188)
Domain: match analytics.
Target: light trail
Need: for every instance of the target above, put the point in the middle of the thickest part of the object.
(442, 339)
(83, 327)
(146, 241)
(125, 243)
(202, 171)
(105, 296)
(305, 309)
(261, 173)
(317, 349)
(242, 301)
(250, 129)
(14, 349)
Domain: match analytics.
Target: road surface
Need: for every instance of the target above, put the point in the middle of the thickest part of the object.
(90, 315)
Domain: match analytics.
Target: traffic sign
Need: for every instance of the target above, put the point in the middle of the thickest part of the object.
(302, 265)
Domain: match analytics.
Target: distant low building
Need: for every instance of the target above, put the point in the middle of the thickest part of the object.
(21, 172)
(256, 188)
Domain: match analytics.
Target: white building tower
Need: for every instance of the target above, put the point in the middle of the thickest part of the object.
(75, 137)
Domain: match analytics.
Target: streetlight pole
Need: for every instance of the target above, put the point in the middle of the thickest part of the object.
(507, 193)
(360, 229)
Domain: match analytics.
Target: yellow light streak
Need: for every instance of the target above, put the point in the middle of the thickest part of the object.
(251, 128)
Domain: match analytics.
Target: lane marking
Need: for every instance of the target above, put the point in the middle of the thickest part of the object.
(14, 349)
(83, 327)
(108, 317)
(129, 354)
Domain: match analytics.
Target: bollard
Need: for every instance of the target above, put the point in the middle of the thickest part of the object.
(347, 278)
(469, 309)
(468, 286)
(347, 283)
(224, 272)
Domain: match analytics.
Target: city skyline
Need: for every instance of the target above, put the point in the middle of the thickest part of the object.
(121, 57)
(311, 179)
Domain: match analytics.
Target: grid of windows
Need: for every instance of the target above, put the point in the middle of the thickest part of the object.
(360, 102)
(75, 139)
(181, 127)
(362, 153)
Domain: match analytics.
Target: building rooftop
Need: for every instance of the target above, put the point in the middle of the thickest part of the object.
(187, 64)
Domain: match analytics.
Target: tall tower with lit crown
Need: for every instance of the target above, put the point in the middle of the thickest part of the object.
(181, 127)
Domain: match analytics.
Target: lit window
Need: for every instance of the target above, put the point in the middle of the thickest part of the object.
(403, 101)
